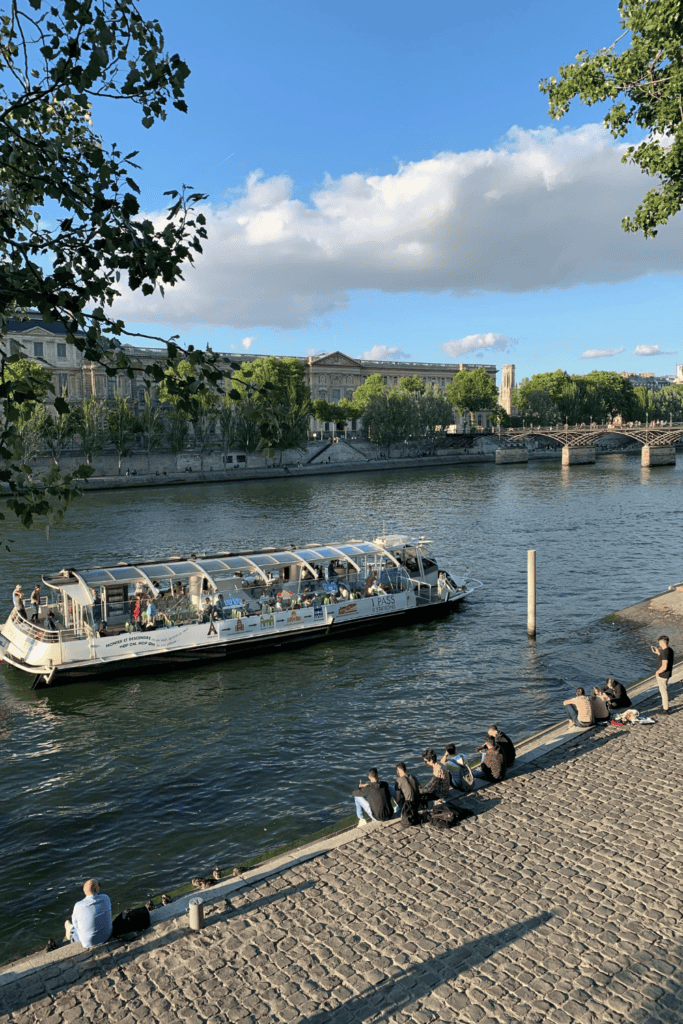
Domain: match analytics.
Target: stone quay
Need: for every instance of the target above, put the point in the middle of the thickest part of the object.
(559, 900)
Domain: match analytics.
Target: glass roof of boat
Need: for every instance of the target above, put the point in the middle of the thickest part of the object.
(219, 566)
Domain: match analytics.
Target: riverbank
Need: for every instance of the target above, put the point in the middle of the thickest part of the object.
(425, 925)
(240, 474)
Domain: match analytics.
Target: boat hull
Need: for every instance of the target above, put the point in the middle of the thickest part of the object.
(222, 650)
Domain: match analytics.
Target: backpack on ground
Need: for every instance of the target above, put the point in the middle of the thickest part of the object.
(441, 818)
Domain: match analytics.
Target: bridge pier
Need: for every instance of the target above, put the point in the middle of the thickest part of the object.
(658, 455)
(577, 456)
(506, 456)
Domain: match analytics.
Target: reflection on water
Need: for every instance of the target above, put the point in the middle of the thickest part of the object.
(148, 780)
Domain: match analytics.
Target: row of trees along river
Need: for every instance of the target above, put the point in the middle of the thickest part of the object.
(267, 404)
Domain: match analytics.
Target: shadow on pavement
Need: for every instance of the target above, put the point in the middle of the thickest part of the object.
(393, 994)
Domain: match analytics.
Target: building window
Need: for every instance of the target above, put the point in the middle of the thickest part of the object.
(111, 388)
(62, 384)
(37, 349)
(336, 395)
(61, 350)
(349, 394)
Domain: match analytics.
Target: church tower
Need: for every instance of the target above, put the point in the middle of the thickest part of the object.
(507, 386)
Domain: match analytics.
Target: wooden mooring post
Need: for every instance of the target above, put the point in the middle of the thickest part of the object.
(531, 593)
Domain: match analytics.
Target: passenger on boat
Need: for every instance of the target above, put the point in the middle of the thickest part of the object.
(20, 606)
(374, 798)
(370, 582)
(137, 612)
(16, 593)
(35, 603)
(220, 607)
(90, 922)
(51, 622)
(150, 615)
(439, 785)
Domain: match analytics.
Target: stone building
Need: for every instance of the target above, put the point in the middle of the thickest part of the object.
(334, 375)
(331, 376)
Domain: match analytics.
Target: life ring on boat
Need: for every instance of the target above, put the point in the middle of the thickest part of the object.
(39, 635)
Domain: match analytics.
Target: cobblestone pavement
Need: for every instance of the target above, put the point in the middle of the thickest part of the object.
(560, 900)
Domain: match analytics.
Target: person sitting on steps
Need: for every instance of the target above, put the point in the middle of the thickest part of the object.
(374, 798)
(579, 710)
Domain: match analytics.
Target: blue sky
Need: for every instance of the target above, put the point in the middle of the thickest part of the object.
(384, 179)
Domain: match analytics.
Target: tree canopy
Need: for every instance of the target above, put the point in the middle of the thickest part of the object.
(56, 57)
(472, 390)
(643, 83)
(373, 387)
(556, 397)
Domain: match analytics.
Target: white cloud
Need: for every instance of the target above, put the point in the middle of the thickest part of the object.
(601, 353)
(543, 210)
(651, 350)
(479, 343)
(381, 352)
(247, 342)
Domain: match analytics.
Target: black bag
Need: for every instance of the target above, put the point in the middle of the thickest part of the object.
(410, 814)
(135, 920)
(442, 818)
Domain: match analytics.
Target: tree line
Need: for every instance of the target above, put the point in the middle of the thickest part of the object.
(548, 399)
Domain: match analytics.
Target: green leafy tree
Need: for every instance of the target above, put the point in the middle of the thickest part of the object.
(432, 414)
(411, 385)
(122, 428)
(91, 419)
(56, 58)
(472, 390)
(643, 83)
(248, 436)
(57, 434)
(388, 419)
(178, 430)
(373, 387)
(151, 427)
(280, 393)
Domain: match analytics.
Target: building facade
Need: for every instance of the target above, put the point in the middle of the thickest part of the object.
(331, 376)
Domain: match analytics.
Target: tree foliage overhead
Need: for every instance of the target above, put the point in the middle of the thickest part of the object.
(552, 398)
(643, 82)
(56, 58)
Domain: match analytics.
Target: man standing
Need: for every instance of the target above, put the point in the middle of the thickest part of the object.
(374, 798)
(35, 603)
(579, 709)
(91, 918)
(665, 664)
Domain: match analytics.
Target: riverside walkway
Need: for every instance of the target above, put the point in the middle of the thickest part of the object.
(560, 900)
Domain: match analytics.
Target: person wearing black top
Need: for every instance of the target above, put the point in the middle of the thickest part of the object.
(616, 694)
(407, 792)
(374, 798)
(665, 663)
(504, 744)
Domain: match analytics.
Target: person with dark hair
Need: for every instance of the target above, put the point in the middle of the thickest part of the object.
(455, 763)
(374, 798)
(440, 783)
(504, 744)
(616, 694)
(579, 710)
(407, 794)
(492, 768)
(600, 705)
(665, 664)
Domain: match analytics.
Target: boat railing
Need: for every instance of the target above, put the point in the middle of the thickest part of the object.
(38, 631)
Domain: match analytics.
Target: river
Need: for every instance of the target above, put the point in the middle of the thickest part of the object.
(145, 781)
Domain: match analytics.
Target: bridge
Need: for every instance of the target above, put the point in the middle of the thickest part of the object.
(578, 442)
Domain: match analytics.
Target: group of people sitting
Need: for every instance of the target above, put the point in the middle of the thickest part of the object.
(585, 711)
(382, 801)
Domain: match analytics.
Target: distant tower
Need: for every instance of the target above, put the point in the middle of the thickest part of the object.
(507, 386)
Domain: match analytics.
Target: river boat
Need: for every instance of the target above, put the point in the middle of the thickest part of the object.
(126, 617)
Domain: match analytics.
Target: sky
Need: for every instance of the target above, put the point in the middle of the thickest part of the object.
(384, 180)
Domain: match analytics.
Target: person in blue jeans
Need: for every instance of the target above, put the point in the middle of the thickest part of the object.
(374, 798)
